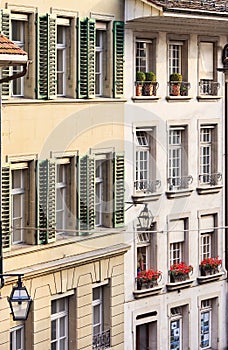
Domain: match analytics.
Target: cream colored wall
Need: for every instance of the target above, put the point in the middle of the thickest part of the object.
(38, 128)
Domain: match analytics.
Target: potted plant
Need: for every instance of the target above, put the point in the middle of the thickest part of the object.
(148, 278)
(149, 87)
(180, 272)
(175, 80)
(140, 78)
(210, 266)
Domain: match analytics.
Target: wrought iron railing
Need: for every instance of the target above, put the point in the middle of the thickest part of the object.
(208, 87)
(147, 186)
(210, 179)
(101, 341)
(178, 88)
(179, 183)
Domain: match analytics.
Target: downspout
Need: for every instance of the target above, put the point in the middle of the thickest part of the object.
(5, 80)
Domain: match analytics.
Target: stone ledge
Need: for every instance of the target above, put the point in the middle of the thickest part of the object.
(143, 293)
(179, 285)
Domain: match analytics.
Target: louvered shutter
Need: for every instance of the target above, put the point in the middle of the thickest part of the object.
(118, 172)
(86, 59)
(45, 202)
(47, 57)
(118, 59)
(6, 207)
(87, 193)
(5, 30)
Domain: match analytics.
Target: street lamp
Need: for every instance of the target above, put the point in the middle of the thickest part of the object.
(145, 218)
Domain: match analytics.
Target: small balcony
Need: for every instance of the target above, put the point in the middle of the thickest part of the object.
(179, 186)
(208, 87)
(101, 341)
(146, 191)
(209, 183)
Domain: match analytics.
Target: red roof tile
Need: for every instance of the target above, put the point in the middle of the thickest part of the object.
(203, 5)
(9, 48)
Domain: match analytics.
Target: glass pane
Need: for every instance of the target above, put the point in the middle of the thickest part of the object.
(96, 314)
(54, 307)
(54, 346)
(18, 339)
(62, 344)
(53, 329)
(96, 293)
(16, 178)
(62, 326)
(61, 303)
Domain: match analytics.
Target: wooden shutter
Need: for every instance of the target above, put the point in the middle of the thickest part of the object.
(46, 57)
(86, 59)
(6, 207)
(87, 193)
(45, 202)
(118, 214)
(5, 30)
(118, 59)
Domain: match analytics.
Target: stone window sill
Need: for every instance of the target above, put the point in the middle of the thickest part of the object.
(143, 293)
(179, 285)
(209, 278)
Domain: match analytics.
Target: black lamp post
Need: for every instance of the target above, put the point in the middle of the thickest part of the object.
(145, 218)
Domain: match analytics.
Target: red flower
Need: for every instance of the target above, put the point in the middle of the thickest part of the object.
(148, 275)
(180, 269)
(210, 263)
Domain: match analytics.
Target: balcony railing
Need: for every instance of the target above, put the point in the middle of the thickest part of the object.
(208, 87)
(147, 186)
(101, 341)
(178, 88)
(146, 88)
(179, 183)
(210, 179)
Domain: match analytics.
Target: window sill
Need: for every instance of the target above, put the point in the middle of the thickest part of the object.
(179, 193)
(144, 99)
(202, 98)
(209, 278)
(140, 198)
(208, 189)
(143, 293)
(178, 98)
(179, 285)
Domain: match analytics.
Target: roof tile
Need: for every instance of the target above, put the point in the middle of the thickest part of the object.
(8, 47)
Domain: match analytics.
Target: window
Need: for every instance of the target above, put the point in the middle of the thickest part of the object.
(101, 179)
(207, 68)
(208, 237)
(209, 323)
(175, 58)
(61, 196)
(101, 314)
(59, 324)
(176, 329)
(61, 60)
(178, 241)
(144, 59)
(146, 336)
(101, 58)
(145, 179)
(143, 251)
(17, 338)
(178, 153)
(18, 34)
(208, 156)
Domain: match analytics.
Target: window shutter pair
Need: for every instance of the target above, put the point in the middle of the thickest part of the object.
(86, 58)
(46, 201)
(46, 32)
(87, 192)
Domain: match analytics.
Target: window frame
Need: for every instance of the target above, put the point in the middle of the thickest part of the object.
(61, 49)
(56, 317)
(176, 316)
(206, 308)
(13, 337)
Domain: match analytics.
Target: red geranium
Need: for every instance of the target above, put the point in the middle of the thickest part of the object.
(180, 269)
(210, 263)
(148, 275)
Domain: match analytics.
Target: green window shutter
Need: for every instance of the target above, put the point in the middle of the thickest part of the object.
(118, 177)
(6, 207)
(86, 59)
(87, 193)
(6, 29)
(118, 59)
(46, 60)
(45, 202)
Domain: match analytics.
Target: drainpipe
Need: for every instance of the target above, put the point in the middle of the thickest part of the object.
(5, 80)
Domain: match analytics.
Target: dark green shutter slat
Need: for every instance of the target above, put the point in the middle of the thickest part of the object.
(118, 59)
(5, 30)
(87, 194)
(46, 60)
(6, 207)
(118, 190)
(86, 59)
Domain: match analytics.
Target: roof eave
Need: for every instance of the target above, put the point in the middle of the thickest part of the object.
(12, 60)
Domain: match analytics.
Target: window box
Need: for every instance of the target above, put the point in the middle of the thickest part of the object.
(143, 293)
(146, 88)
(210, 278)
(179, 285)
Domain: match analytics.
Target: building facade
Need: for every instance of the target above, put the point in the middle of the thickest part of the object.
(174, 146)
(62, 198)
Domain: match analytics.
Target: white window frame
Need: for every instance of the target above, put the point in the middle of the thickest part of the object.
(18, 84)
(143, 243)
(142, 62)
(205, 154)
(61, 190)
(175, 57)
(142, 160)
(175, 156)
(18, 194)
(99, 74)
(61, 50)
(205, 245)
(176, 253)
(56, 317)
(175, 331)
(206, 322)
(14, 336)
(99, 184)
(98, 304)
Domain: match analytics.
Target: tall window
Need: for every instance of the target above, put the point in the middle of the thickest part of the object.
(18, 205)
(208, 237)
(101, 68)
(146, 336)
(176, 329)
(142, 55)
(143, 251)
(17, 338)
(101, 186)
(61, 60)
(207, 68)
(59, 324)
(175, 60)
(61, 192)
(178, 241)
(178, 166)
(18, 33)
(205, 324)
(98, 326)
